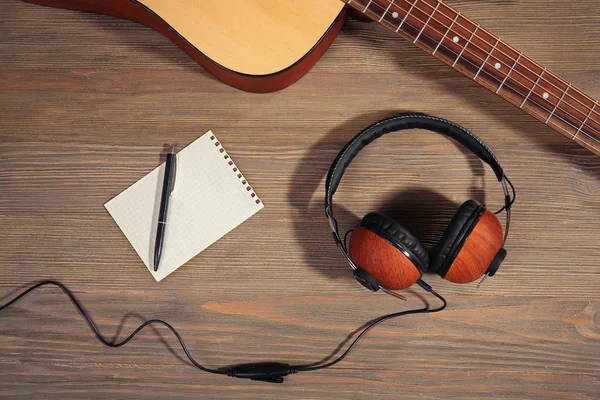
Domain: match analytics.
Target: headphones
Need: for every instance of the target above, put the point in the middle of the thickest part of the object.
(385, 255)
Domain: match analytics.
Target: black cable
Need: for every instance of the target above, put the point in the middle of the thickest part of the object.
(514, 192)
(266, 372)
(508, 199)
(377, 321)
(96, 331)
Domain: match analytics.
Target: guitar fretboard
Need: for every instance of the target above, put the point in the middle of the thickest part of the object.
(454, 39)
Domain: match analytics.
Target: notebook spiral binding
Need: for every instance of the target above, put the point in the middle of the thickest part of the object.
(234, 168)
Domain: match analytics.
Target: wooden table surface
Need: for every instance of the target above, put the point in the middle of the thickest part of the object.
(87, 102)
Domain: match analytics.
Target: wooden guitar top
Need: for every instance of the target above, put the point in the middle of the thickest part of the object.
(258, 37)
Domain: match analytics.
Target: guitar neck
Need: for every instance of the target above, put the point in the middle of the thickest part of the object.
(457, 41)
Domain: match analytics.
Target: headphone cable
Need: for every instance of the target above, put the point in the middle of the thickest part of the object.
(266, 372)
(373, 324)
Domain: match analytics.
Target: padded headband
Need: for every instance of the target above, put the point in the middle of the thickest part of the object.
(394, 124)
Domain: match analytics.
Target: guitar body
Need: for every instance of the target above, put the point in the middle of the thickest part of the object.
(253, 45)
(266, 45)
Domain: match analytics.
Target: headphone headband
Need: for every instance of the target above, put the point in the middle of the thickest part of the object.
(394, 124)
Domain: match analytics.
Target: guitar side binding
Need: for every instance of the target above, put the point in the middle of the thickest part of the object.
(135, 11)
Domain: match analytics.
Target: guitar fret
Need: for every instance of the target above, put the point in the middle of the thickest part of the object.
(386, 10)
(509, 71)
(465, 46)
(563, 129)
(456, 40)
(585, 120)
(428, 20)
(406, 16)
(532, 88)
(486, 59)
(559, 101)
(446, 34)
(372, 8)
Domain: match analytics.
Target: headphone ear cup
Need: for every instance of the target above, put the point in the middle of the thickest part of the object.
(386, 250)
(469, 245)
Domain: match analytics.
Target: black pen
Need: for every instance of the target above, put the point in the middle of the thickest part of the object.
(168, 184)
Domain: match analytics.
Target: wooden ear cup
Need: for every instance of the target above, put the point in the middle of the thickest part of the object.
(471, 246)
(384, 249)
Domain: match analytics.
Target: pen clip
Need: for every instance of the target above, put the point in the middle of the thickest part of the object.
(172, 189)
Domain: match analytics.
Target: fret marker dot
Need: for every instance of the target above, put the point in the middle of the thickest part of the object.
(498, 65)
(455, 39)
(395, 14)
(546, 95)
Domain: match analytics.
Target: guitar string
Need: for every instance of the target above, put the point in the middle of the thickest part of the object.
(413, 5)
(515, 61)
(530, 100)
(449, 8)
(552, 113)
(557, 105)
(576, 128)
(581, 93)
(591, 110)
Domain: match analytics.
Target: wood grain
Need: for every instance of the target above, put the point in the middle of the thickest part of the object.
(383, 260)
(477, 253)
(88, 101)
(482, 56)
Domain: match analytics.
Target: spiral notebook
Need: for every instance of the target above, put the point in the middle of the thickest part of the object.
(211, 197)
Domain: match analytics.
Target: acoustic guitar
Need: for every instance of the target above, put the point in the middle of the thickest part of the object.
(266, 45)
